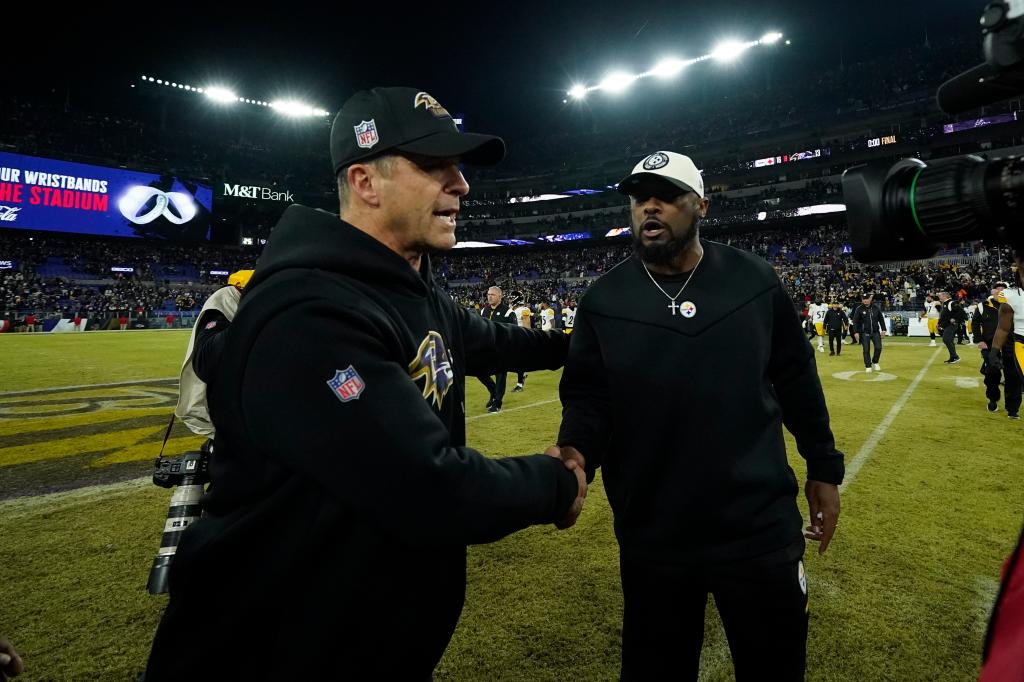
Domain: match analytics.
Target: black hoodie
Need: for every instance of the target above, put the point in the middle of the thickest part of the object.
(343, 496)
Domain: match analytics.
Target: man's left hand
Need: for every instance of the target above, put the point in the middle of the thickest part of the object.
(823, 499)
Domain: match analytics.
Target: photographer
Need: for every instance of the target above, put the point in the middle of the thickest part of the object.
(204, 350)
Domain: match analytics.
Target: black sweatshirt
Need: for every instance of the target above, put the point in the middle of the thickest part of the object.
(985, 321)
(867, 319)
(836, 320)
(685, 414)
(343, 495)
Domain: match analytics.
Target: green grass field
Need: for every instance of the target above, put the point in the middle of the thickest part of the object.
(931, 508)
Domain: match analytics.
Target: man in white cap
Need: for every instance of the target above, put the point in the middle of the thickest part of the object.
(686, 359)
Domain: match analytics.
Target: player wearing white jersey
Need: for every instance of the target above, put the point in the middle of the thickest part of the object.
(932, 311)
(816, 313)
(568, 318)
(547, 317)
(524, 318)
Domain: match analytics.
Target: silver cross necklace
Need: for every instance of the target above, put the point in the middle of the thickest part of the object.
(673, 306)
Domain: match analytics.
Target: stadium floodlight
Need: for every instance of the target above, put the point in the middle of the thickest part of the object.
(729, 50)
(617, 81)
(296, 109)
(159, 82)
(770, 38)
(578, 91)
(667, 68)
(222, 95)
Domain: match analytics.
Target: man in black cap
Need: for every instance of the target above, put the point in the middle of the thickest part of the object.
(333, 540)
(686, 360)
(950, 318)
(868, 327)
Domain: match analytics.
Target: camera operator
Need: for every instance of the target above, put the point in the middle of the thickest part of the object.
(984, 326)
(950, 318)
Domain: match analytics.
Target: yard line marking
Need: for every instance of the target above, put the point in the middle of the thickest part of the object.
(512, 409)
(986, 589)
(57, 389)
(52, 501)
(883, 427)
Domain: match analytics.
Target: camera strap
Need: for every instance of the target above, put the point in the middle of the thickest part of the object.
(167, 434)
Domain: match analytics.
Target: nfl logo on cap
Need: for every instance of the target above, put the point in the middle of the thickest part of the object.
(366, 134)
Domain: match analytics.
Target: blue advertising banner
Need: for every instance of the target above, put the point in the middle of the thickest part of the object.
(60, 196)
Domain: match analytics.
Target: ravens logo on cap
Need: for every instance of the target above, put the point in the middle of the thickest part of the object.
(430, 104)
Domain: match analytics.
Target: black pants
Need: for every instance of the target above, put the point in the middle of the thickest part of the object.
(835, 335)
(866, 341)
(521, 378)
(1011, 376)
(761, 601)
(948, 337)
(496, 387)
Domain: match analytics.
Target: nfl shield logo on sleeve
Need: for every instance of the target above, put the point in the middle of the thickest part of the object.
(347, 384)
(366, 134)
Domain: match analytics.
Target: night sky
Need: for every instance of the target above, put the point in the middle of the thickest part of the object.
(505, 65)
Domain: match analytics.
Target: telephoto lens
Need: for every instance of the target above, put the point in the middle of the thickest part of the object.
(907, 210)
(189, 474)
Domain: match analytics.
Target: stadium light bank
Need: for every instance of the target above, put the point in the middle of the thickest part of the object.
(619, 81)
(223, 95)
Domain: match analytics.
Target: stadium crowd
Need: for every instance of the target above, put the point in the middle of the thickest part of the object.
(814, 263)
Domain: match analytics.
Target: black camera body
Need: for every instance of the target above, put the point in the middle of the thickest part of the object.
(171, 471)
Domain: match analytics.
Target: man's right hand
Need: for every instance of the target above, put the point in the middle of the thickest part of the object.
(11, 664)
(994, 362)
(983, 346)
(573, 461)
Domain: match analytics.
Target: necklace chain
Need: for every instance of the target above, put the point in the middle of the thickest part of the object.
(673, 298)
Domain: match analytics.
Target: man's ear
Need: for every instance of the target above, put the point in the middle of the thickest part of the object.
(364, 183)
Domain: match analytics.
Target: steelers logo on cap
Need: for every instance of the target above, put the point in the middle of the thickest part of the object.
(655, 161)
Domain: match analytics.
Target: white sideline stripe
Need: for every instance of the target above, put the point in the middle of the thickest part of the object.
(512, 409)
(74, 388)
(986, 589)
(876, 436)
(51, 501)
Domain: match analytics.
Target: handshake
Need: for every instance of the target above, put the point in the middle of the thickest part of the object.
(574, 462)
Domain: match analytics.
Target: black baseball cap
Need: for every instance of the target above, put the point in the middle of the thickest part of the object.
(381, 120)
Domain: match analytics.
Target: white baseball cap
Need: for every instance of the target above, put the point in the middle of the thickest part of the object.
(659, 167)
